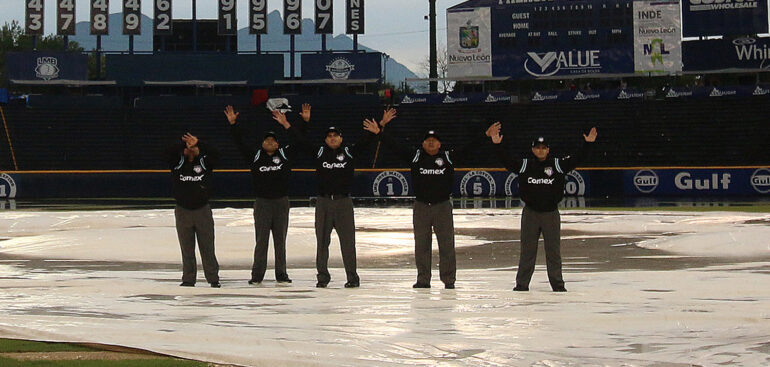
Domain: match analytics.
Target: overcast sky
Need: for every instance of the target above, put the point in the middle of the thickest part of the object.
(395, 27)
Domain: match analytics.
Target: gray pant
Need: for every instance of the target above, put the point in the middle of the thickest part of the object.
(189, 225)
(338, 215)
(434, 217)
(533, 223)
(270, 215)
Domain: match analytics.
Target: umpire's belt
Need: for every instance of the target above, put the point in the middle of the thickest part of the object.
(334, 196)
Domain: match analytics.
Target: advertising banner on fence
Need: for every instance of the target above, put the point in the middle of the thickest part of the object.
(342, 66)
(750, 53)
(724, 17)
(583, 96)
(457, 98)
(469, 43)
(698, 182)
(657, 38)
(46, 66)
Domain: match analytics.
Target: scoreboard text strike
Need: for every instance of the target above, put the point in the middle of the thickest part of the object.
(162, 21)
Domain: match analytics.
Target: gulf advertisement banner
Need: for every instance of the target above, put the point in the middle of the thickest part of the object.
(469, 43)
(697, 182)
(657, 38)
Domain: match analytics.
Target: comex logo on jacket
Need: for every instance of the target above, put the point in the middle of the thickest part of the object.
(328, 165)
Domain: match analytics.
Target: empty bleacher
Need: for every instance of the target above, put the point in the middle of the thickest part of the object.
(696, 132)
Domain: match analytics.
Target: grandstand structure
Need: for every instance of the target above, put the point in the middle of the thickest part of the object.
(646, 135)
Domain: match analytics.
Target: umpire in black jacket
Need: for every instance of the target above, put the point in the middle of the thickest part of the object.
(432, 169)
(191, 162)
(334, 163)
(270, 167)
(541, 186)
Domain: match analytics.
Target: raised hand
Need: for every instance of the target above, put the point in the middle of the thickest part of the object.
(281, 118)
(494, 129)
(591, 137)
(232, 116)
(497, 138)
(371, 126)
(305, 112)
(388, 115)
(190, 140)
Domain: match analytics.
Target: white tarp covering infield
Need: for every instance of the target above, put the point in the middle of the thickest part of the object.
(713, 313)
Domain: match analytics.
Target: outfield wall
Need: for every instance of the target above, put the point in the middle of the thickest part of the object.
(590, 183)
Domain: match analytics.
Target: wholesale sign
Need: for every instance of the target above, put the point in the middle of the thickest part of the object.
(657, 38)
(724, 17)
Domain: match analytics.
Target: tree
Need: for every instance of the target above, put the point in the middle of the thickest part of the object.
(12, 38)
(444, 86)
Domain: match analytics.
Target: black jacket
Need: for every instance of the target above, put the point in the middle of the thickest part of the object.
(269, 173)
(541, 184)
(192, 182)
(334, 167)
(432, 176)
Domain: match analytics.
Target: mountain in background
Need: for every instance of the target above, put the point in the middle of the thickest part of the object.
(275, 40)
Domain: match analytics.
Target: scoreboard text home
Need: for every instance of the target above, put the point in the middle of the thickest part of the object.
(227, 19)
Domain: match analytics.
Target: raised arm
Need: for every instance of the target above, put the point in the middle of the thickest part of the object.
(300, 143)
(371, 130)
(400, 148)
(237, 133)
(172, 154)
(463, 152)
(571, 162)
(513, 165)
(211, 155)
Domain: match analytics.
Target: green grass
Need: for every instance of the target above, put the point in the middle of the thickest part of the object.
(7, 362)
(26, 346)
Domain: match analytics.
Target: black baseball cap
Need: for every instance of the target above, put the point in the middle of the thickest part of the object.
(333, 129)
(540, 141)
(431, 134)
(270, 134)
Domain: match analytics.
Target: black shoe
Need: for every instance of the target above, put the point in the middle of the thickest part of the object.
(421, 285)
(449, 286)
(187, 284)
(560, 289)
(321, 285)
(283, 280)
(352, 285)
(255, 282)
(521, 289)
(216, 285)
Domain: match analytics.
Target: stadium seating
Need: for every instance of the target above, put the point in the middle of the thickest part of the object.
(696, 132)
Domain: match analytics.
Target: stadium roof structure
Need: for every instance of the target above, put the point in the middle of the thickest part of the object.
(461, 79)
(65, 82)
(328, 81)
(195, 83)
(474, 4)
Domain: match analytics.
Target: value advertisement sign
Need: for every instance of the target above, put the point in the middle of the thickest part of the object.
(469, 43)
(657, 38)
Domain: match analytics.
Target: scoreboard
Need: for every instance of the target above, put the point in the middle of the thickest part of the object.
(533, 39)
(576, 23)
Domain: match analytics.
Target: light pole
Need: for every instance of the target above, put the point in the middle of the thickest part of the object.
(433, 55)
